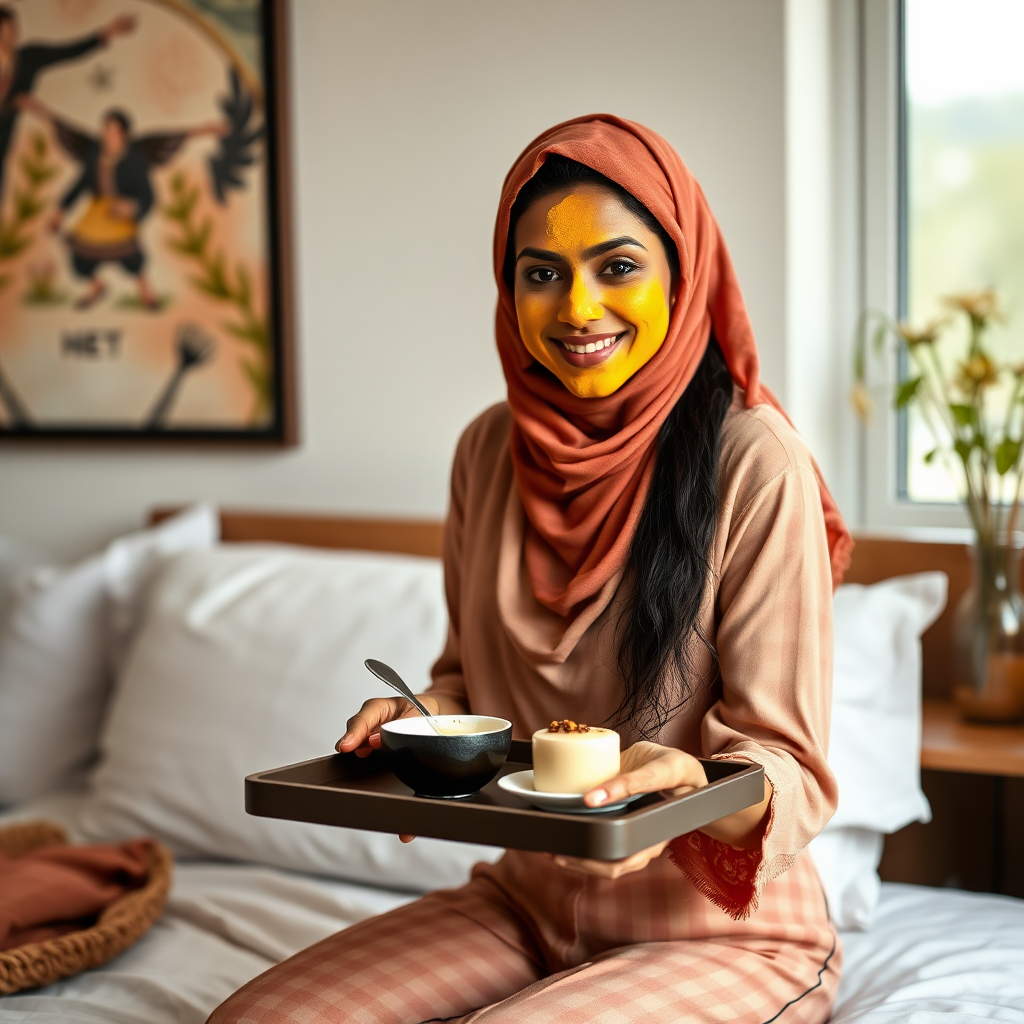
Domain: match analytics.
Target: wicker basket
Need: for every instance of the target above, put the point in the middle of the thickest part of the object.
(118, 926)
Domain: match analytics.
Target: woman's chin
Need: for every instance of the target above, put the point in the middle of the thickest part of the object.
(599, 382)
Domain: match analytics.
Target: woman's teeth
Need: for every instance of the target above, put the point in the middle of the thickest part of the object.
(591, 346)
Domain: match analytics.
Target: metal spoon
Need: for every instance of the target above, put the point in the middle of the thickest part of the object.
(386, 674)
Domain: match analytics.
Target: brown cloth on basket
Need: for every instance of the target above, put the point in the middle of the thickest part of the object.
(60, 889)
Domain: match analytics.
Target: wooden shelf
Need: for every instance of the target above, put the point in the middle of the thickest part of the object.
(952, 745)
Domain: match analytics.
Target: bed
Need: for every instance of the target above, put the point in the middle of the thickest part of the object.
(243, 900)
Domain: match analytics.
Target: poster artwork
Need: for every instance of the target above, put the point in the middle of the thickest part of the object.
(139, 289)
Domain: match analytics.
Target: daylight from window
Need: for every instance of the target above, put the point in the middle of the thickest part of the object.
(964, 64)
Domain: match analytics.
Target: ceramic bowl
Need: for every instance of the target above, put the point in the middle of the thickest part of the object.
(451, 766)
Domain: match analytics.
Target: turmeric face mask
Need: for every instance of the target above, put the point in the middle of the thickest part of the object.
(592, 287)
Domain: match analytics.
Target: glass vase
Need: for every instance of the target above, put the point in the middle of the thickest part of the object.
(989, 634)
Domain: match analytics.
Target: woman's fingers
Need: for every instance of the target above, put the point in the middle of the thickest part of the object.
(362, 731)
(612, 869)
(649, 768)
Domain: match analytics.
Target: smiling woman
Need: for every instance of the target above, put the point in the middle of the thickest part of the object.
(592, 272)
(637, 536)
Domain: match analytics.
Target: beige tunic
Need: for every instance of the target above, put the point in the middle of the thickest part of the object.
(723, 939)
(767, 610)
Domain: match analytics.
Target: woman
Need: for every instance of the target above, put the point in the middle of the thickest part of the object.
(115, 175)
(637, 536)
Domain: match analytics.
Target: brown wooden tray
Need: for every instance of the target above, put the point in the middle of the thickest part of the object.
(342, 789)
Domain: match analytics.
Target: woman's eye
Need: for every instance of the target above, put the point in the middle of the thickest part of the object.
(619, 268)
(542, 275)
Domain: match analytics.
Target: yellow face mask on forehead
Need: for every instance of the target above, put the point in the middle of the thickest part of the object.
(591, 289)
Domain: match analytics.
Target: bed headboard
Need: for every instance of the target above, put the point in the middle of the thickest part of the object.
(878, 558)
(874, 558)
(402, 536)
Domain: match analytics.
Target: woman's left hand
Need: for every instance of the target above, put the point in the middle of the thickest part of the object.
(646, 768)
(123, 209)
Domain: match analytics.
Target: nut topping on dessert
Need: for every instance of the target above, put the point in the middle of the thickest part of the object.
(567, 725)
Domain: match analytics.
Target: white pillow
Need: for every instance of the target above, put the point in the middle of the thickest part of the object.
(16, 559)
(251, 657)
(875, 739)
(130, 561)
(847, 860)
(57, 645)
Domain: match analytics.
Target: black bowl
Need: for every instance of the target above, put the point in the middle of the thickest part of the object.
(451, 766)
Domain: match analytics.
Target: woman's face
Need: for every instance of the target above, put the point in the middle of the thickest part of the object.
(592, 287)
(115, 141)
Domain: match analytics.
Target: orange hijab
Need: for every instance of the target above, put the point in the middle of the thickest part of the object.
(583, 466)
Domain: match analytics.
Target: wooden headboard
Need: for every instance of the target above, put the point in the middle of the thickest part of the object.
(879, 558)
(402, 536)
(874, 558)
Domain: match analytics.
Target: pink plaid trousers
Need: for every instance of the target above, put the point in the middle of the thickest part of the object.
(525, 942)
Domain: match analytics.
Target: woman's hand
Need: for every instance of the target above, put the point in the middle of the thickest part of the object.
(123, 209)
(122, 25)
(646, 768)
(362, 731)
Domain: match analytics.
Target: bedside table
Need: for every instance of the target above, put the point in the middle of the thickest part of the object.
(949, 744)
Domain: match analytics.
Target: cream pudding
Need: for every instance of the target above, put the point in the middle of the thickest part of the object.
(453, 726)
(573, 758)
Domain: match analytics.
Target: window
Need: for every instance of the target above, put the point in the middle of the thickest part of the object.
(962, 205)
(941, 207)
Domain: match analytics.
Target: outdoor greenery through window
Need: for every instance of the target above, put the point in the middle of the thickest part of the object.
(963, 205)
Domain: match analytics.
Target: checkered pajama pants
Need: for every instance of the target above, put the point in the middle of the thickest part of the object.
(525, 942)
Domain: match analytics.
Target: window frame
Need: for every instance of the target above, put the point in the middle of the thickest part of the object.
(884, 502)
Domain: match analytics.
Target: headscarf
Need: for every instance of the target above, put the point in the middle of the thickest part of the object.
(583, 466)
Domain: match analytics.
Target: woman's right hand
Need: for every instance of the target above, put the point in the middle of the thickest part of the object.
(362, 732)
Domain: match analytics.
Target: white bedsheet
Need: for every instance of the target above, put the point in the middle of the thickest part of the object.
(933, 955)
(224, 924)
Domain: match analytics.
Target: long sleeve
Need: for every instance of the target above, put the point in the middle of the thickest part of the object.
(774, 645)
(133, 182)
(34, 58)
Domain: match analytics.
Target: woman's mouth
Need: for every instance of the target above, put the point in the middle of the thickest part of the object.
(583, 350)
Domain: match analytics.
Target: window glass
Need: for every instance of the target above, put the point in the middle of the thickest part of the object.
(964, 181)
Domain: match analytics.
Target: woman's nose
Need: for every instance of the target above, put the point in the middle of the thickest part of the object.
(581, 304)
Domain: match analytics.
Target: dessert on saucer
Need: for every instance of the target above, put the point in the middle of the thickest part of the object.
(573, 758)
(569, 760)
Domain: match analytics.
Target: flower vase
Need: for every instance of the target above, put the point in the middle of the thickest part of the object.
(989, 634)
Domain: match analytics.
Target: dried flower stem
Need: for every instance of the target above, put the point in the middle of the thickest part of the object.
(215, 280)
(955, 408)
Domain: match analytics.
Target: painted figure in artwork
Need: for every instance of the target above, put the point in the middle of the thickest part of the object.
(115, 175)
(20, 65)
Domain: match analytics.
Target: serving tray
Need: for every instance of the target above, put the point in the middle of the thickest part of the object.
(361, 793)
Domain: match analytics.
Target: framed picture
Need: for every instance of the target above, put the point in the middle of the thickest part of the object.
(145, 278)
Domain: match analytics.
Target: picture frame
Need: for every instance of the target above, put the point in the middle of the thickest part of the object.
(146, 279)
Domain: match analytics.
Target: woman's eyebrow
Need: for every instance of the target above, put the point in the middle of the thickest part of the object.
(540, 254)
(588, 254)
(613, 243)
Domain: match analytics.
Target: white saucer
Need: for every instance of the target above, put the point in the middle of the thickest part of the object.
(520, 784)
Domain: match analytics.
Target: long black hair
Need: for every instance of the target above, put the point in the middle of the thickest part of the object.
(668, 565)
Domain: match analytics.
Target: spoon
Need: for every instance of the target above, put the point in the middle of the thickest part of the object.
(386, 674)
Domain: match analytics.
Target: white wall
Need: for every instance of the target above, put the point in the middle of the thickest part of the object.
(407, 114)
(823, 298)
